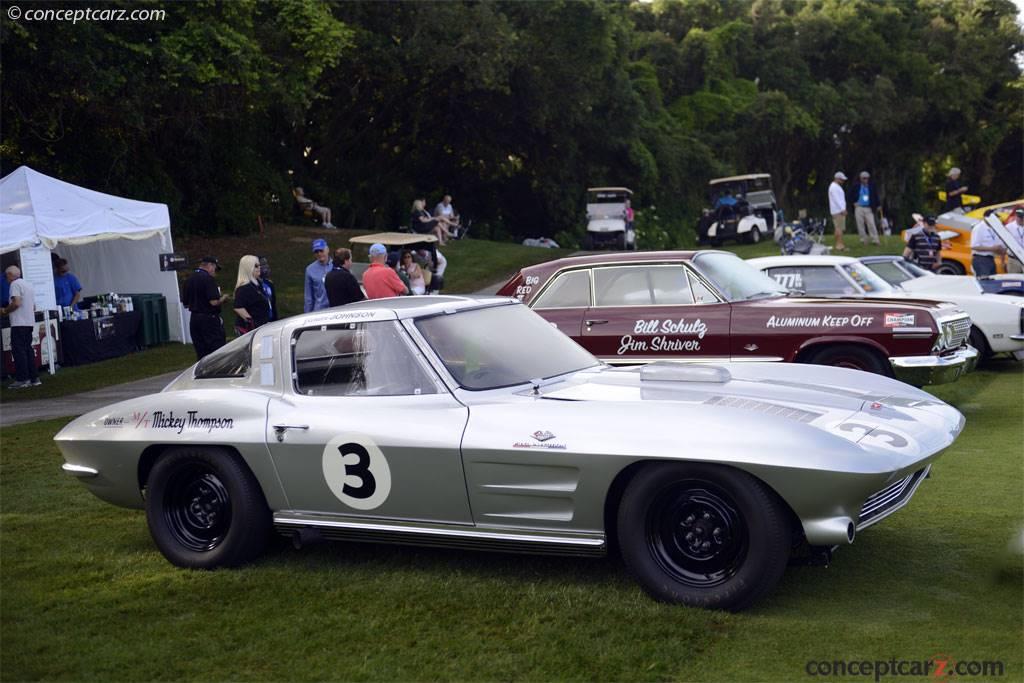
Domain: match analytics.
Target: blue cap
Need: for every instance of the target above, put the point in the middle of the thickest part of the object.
(378, 249)
(319, 244)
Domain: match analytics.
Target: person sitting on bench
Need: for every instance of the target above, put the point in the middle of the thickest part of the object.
(308, 206)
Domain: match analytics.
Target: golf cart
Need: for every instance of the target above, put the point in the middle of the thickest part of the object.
(606, 219)
(743, 208)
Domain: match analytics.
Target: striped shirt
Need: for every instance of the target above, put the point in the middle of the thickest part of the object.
(926, 247)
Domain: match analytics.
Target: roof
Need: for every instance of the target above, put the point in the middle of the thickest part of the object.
(617, 258)
(800, 260)
(396, 239)
(610, 189)
(749, 176)
(392, 308)
(35, 207)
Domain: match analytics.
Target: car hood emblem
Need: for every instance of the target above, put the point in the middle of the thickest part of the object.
(543, 435)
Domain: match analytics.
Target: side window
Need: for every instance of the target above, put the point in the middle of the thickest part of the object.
(358, 359)
(569, 290)
(815, 280)
(670, 285)
(231, 360)
(626, 286)
(701, 293)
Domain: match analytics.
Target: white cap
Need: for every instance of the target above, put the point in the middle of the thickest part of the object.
(865, 174)
(840, 175)
(954, 171)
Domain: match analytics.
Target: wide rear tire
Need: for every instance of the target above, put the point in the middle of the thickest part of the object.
(205, 509)
(703, 535)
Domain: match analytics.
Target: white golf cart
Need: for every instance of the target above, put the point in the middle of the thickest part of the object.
(606, 219)
(743, 208)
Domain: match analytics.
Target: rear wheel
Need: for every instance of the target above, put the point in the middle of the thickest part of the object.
(588, 242)
(703, 535)
(755, 235)
(205, 509)
(852, 357)
(621, 241)
(947, 267)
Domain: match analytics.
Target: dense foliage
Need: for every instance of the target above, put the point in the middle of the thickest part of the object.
(515, 108)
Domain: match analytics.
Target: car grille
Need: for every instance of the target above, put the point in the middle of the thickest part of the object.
(960, 329)
(881, 504)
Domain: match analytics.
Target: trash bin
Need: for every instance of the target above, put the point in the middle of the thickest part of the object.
(153, 307)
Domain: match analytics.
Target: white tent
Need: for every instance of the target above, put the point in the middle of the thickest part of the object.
(112, 243)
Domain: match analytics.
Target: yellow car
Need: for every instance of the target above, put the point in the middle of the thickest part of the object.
(955, 230)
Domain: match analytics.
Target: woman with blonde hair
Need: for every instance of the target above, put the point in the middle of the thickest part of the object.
(252, 308)
(423, 223)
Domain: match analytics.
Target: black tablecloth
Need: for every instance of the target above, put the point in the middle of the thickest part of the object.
(95, 339)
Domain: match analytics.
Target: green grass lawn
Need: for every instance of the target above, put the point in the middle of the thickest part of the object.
(472, 264)
(86, 596)
(153, 361)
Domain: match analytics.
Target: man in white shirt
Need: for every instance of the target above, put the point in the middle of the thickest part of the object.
(1015, 226)
(985, 247)
(22, 311)
(837, 207)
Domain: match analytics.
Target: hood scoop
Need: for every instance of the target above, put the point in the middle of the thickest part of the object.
(667, 371)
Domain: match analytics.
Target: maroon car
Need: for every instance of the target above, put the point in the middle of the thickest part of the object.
(711, 306)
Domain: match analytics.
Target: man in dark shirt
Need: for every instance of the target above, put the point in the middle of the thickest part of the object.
(340, 283)
(924, 246)
(203, 299)
(268, 287)
(955, 189)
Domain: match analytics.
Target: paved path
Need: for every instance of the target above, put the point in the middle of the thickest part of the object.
(20, 412)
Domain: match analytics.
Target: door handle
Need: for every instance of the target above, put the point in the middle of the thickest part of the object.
(279, 430)
(596, 322)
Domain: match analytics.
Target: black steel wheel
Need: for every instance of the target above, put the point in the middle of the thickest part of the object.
(853, 357)
(205, 509)
(703, 535)
(755, 235)
(588, 242)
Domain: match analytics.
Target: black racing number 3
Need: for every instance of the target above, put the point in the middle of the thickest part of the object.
(360, 469)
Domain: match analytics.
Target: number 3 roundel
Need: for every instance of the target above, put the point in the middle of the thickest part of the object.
(356, 471)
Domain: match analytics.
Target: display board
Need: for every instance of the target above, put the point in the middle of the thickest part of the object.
(37, 269)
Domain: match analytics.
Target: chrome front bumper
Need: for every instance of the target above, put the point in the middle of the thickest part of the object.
(922, 370)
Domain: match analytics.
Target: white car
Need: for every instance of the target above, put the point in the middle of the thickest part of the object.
(997, 321)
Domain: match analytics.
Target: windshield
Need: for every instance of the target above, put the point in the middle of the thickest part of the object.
(736, 279)
(500, 346)
(865, 278)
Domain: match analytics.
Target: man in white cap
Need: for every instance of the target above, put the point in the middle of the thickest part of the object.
(954, 190)
(865, 204)
(837, 207)
(379, 280)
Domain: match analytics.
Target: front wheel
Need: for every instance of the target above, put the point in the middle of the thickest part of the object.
(703, 535)
(755, 235)
(205, 509)
(852, 357)
(978, 341)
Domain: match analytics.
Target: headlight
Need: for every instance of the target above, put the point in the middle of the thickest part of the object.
(947, 334)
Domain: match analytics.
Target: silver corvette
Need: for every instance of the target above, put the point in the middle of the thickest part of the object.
(474, 423)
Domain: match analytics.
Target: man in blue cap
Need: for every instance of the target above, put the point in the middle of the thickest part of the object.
(315, 295)
(379, 280)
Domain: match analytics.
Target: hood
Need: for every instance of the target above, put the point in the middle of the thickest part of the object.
(1016, 249)
(875, 412)
(953, 285)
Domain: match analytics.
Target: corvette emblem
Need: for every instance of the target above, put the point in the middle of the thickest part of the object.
(543, 435)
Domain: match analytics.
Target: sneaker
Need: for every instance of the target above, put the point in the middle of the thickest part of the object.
(17, 385)
(36, 383)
